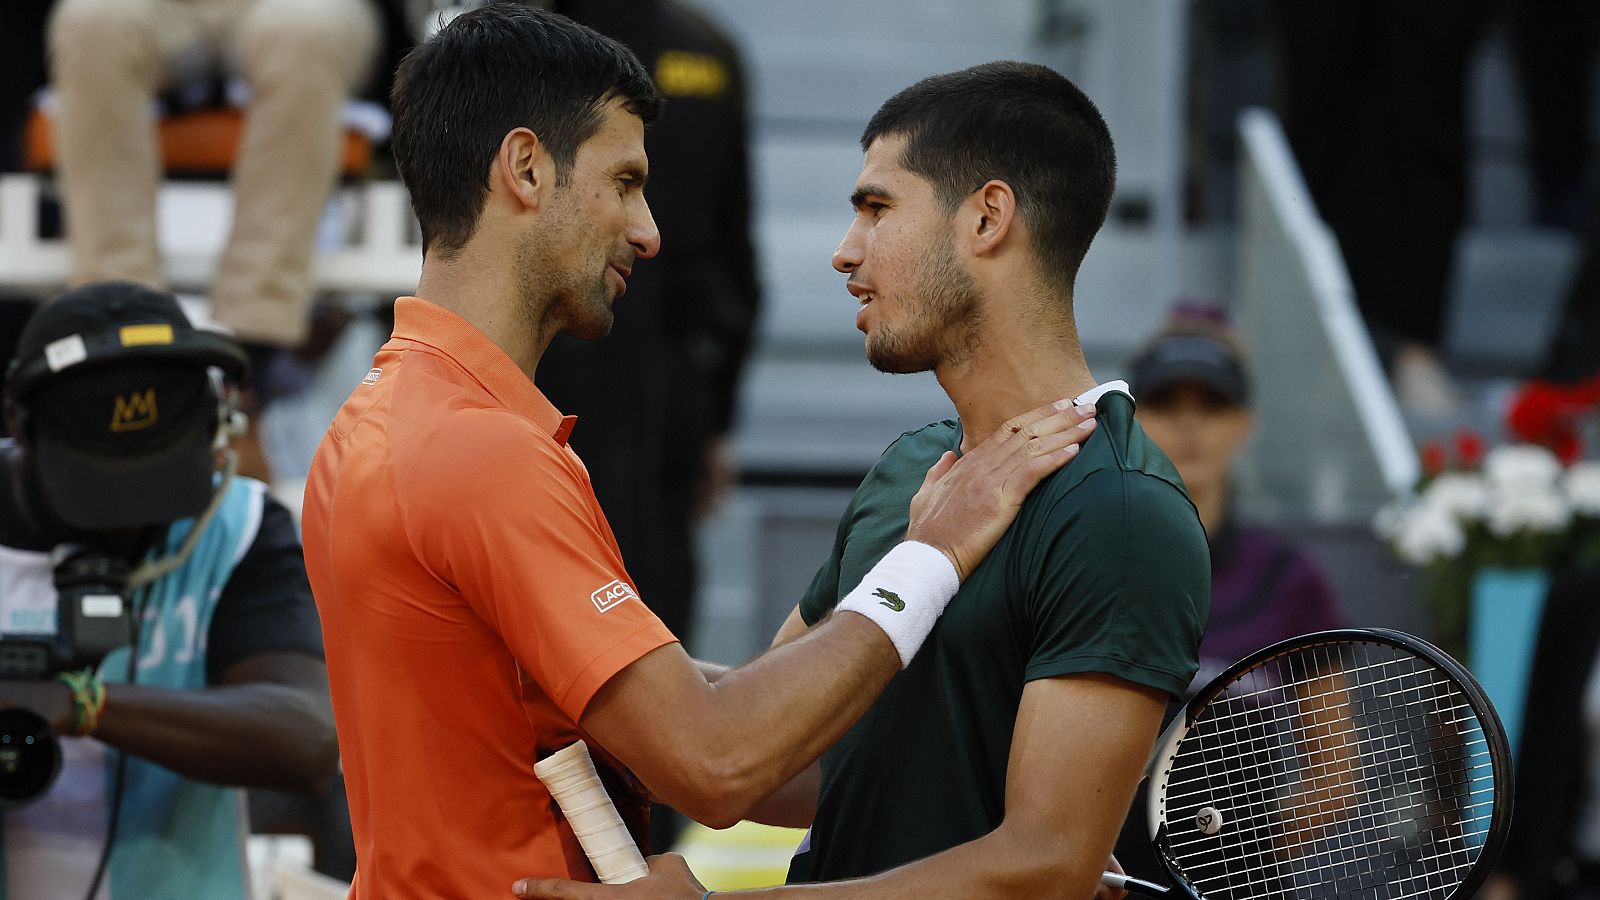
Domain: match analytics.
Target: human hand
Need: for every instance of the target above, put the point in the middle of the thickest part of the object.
(1107, 892)
(1500, 886)
(966, 503)
(669, 878)
(49, 698)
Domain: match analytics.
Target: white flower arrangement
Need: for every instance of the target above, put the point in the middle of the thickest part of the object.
(1521, 493)
(1581, 484)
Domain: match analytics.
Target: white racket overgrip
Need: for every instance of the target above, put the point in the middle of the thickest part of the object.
(570, 777)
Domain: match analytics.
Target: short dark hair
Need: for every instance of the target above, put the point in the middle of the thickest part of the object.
(1023, 124)
(490, 70)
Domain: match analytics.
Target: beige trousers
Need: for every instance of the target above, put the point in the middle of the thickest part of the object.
(302, 60)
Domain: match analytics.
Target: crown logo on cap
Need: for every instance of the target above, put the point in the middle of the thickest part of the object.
(135, 412)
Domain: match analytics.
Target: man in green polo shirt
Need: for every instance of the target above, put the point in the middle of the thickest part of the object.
(1001, 762)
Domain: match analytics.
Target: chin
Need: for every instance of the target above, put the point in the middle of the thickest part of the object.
(592, 327)
(889, 355)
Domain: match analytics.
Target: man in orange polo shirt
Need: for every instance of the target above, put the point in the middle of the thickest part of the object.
(476, 610)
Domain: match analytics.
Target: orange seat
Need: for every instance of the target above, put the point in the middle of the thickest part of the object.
(200, 142)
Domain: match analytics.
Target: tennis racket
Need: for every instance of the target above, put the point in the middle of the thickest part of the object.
(570, 777)
(1361, 764)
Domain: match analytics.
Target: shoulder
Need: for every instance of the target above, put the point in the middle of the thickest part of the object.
(912, 453)
(460, 441)
(485, 455)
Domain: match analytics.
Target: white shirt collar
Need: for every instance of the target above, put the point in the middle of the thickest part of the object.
(1101, 390)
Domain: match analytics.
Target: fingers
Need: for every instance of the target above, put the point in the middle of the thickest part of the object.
(1040, 458)
(938, 469)
(551, 889)
(1049, 419)
(1034, 417)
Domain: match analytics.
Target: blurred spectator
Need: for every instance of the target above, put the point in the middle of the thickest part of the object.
(21, 74)
(1553, 852)
(301, 59)
(1555, 44)
(21, 71)
(656, 397)
(1375, 109)
(1193, 395)
(1194, 401)
(111, 490)
(1571, 357)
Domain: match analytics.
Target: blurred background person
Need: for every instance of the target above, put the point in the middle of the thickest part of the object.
(1193, 396)
(657, 396)
(110, 490)
(22, 72)
(1553, 852)
(301, 60)
(1193, 392)
(1375, 107)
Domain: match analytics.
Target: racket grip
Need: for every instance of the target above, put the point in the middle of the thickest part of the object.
(570, 777)
(1136, 885)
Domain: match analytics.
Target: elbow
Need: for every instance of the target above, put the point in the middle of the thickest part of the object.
(311, 763)
(320, 766)
(716, 791)
(1040, 863)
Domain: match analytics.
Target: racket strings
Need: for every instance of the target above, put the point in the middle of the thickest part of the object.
(1370, 736)
(1341, 774)
(1285, 847)
(1365, 798)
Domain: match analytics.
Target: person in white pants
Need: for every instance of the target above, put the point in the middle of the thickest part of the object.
(302, 59)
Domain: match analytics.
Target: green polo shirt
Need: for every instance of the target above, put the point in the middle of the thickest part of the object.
(1105, 570)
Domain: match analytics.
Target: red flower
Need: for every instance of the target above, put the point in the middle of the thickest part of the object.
(1546, 414)
(1433, 458)
(1469, 449)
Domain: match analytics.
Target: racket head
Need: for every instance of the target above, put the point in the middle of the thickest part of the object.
(1363, 764)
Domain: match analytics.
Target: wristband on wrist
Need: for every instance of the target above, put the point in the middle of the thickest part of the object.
(904, 594)
(88, 700)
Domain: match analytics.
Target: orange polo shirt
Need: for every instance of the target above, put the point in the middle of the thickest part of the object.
(473, 600)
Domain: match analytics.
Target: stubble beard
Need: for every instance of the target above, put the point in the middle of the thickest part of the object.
(943, 327)
(577, 302)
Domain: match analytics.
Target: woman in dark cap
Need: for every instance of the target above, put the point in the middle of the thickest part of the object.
(1193, 393)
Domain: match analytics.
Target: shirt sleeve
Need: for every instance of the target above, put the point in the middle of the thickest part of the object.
(822, 595)
(508, 518)
(266, 606)
(1119, 582)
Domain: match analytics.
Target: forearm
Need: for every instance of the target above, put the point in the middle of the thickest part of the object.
(716, 750)
(772, 717)
(249, 735)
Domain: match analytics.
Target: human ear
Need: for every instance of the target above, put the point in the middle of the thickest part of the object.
(523, 169)
(993, 213)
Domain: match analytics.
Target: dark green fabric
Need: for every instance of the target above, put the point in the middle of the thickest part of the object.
(1105, 570)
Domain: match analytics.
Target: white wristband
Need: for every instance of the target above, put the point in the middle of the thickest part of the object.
(904, 594)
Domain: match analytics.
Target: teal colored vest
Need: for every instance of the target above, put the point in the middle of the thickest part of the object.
(179, 838)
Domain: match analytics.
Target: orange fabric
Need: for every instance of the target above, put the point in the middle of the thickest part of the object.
(205, 140)
(473, 600)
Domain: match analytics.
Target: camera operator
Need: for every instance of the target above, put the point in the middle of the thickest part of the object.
(114, 509)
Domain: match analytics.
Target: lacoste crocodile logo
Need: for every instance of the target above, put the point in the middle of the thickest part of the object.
(890, 599)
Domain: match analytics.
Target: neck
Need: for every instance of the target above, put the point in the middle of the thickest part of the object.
(1021, 363)
(1211, 501)
(483, 289)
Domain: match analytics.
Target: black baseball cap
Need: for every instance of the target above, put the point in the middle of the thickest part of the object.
(111, 393)
(1191, 358)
